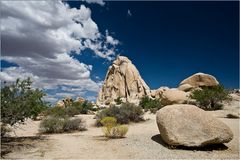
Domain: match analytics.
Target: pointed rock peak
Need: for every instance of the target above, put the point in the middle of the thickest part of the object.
(122, 80)
(120, 59)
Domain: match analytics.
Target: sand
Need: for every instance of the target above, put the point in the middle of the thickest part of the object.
(142, 142)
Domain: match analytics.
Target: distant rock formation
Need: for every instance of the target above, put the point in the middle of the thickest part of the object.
(80, 100)
(198, 80)
(68, 101)
(122, 80)
(60, 103)
(64, 102)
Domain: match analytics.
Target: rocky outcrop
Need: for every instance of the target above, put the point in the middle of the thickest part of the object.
(174, 96)
(188, 125)
(122, 80)
(198, 80)
(158, 92)
(64, 102)
(170, 95)
(80, 100)
(60, 103)
(185, 87)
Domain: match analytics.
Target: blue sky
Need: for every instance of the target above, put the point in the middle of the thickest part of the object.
(167, 41)
(174, 39)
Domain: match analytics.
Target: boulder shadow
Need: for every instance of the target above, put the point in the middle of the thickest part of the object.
(158, 139)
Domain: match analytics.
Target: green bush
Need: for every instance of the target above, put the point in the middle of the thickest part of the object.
(210, 98)
(52, 124)
(55, 124)
(76, 124)
(71, 110)
(149, 104)
(124, 114)
(118, 101)
(119, 131)
(111, 129)
(20, 101)
(108, 121)
(55, 111)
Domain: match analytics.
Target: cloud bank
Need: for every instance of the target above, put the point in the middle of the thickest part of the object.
(41, 37)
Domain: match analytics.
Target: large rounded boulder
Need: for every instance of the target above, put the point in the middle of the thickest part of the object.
(198, 80)
(188, 125)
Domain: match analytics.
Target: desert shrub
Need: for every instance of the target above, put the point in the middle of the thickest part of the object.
(56, 124)
(52, 124)
(76, 124)
(80, 108)
(149, 104)
(85, 107)
(118, 101)
(111, 129)
(55, 111)
(210, 98)
(109, 121)
(124, 114)
(119, 131)
(5, 129)
(71, 109)
(20, 101)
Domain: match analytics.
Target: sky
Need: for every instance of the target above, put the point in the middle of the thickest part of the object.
(67, 47)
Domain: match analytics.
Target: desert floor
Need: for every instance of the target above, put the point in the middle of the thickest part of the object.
(143, 141)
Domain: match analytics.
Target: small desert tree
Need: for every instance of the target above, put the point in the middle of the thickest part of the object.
(210, 98)
(150, 104)
(20, 101)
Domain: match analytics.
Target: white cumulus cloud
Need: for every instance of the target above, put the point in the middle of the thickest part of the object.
(41, 36)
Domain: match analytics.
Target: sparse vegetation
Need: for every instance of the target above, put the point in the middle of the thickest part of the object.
(5, 129)
(210, 98)
(76, 124)
(55, 124)
(55, 111)
(149, 104)
(20, 101)
(118, 101)
(113, 130)
(124, 113)
(71, 110)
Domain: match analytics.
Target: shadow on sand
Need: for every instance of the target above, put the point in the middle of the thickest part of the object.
(8, 144)
(158, 139)
(104, 138)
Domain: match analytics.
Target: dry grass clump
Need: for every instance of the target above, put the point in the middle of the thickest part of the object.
(113, 130)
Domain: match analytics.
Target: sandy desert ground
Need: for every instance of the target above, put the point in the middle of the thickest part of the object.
(142, 142)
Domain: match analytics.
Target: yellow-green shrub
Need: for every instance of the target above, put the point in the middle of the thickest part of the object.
(111, 129)
(119, 131)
